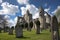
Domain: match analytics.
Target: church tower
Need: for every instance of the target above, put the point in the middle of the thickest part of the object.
(28, 18)
(42, 18)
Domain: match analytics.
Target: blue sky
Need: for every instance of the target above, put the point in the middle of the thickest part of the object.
(49, 5)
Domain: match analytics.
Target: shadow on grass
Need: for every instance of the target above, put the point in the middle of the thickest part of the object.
(24, 38)
(43, 34)
(46, 33)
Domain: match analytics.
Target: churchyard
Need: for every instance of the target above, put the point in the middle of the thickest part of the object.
(45, 27)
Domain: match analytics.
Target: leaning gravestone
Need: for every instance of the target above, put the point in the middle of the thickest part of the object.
(19, 28)
(54, 28)
(37, 22)
(11, 30)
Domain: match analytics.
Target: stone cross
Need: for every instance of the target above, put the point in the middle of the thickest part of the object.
(54, 28)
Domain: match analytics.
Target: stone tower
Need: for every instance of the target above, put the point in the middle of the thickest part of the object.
(28, 18)
(42, 18)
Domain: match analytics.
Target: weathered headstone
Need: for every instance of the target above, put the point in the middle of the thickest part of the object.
(54, 28)
(19, 28)
(11, 30)
(37, 26)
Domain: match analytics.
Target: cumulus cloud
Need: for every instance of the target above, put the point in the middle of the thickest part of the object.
(47, 9)
(36, 15)
(10, 22)
(22, 1)
(1, 1)
(15, 21)
(57, 13)
(32, 9)
(8, 9)
(6, 17)
(57, 10)
(23, 10)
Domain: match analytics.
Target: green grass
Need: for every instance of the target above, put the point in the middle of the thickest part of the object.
(45, 35)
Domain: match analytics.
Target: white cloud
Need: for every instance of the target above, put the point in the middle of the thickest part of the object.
(58, 8)
(6, 17)
(36, 15)
(15, 21)
(22, 1)
(1, 1)
(23, 10)
(32, 8)
(57, 13)
(47, 9)
(8, 9)
(10, 22)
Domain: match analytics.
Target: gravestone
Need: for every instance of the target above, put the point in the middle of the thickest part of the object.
(37, 22)
(31, 25)
(19, 28)
(11, 30)
(54, 28)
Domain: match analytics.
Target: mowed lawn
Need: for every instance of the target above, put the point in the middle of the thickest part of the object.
(45, 35)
